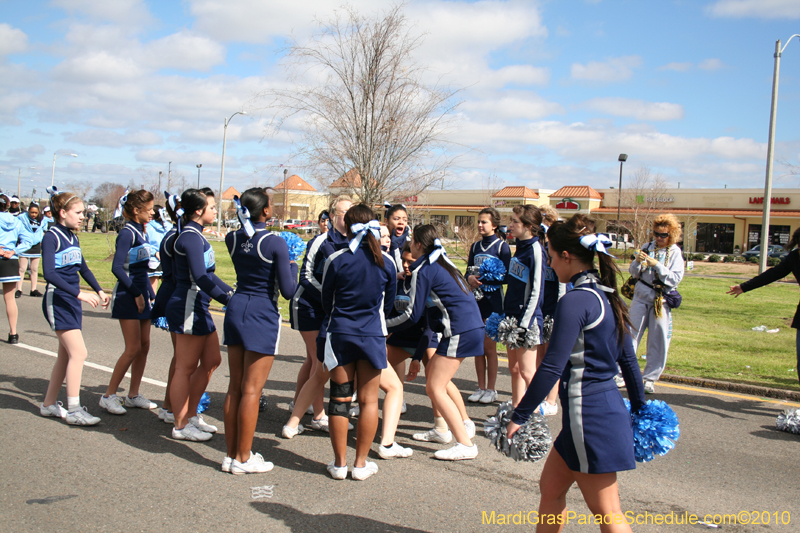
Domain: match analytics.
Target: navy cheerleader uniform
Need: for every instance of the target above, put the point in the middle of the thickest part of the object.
(37, 229)
(449, 310)
(525, 279)
(357, 295)
(166, 251)
(195, 284)
(62, 260)
(418, 338)
(491, 246)
(130, 269)
(306, 312)
(596, 436)
(553, 291)
(396, 248)
(262, 267)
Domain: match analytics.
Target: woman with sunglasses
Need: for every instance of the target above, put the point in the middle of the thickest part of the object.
(661, 262)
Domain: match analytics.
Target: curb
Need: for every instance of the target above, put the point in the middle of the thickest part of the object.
(743, 388)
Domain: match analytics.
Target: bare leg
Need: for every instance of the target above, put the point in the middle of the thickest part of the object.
(167, 406)
(313, 388)
(11, 306)
(134, 345)
(338, 424)
(552, 396)
(554, 484)
(525, 363)
(23, 266)
(210, 359)
(34, 273)
(480, 369)
(490, 352)
(137, 368)
(230, 408)
(309, 369)
(601, 493)
(392, 385)
(69, 365)
(190, 380)
(440, 371)
(154, 283)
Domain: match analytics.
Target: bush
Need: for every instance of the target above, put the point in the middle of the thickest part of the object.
(753, 259)
(699, 257)
(729, 259)
(713, 258)
(773, 261)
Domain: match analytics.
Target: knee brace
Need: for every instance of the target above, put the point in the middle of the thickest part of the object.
(340, 390)
(337, 408)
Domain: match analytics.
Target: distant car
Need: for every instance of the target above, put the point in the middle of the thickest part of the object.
(292, 222)
(232, 223)
(755, 251)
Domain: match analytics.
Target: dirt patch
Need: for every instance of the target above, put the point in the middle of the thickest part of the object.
(743, 270)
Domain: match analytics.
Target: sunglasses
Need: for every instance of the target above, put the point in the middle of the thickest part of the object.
(661, 235)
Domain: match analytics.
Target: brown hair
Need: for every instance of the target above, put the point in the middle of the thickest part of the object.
(136, 200)
(494, 216)
(530, 217)
(3, 203)
(566, 237)
(673, 226)
(426, 235)
(64, 201)
(362, 214)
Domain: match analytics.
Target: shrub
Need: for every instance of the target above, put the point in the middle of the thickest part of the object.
(736, 248)
(773, 261)
(699, 257)
(713, 258)
(729, 259)
(753, 259)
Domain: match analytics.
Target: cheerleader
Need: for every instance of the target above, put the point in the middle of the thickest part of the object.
(62, 261)
(324, 221)
(130, 302)
(262, 264)
(166, 252)
(307, 316)
(523, 301)
(590, 337)
(14, 239)
(358, 289)
(37, 227)
(490, 245)
(452, 311)
(397, 222)
(156, 231)
(188, 316)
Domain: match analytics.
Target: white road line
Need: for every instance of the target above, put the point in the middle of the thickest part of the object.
(89, 364)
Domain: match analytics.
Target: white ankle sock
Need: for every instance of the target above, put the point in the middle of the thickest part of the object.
(73, 402)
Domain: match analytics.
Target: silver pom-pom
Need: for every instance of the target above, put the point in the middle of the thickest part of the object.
(789, 421)
(531, 338)
(508, 331)
(530, 443)
(495, 427)
(547, 329)
(477, 292)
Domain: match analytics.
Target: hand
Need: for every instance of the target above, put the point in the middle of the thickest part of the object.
(8, 254)
(651, 261)
(401, 276)
(642, 257)
(158, 256)
(413, 370)
(89, 298)
(104, 299)
(511, 428)
(474, 282)
(139, 303)
(736, 290)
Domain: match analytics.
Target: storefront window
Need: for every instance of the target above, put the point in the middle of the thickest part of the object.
(465, 221)
(715, 238)
(777, 235)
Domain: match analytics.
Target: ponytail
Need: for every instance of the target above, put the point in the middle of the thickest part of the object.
(362, 214)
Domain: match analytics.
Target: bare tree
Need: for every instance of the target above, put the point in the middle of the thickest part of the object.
(81, 188)
(106, 196)
(646, 195)
(367, 112)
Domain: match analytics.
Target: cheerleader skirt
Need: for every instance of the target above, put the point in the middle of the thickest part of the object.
(9, 270)
(61, 310)
(466, 344)
(253, 321)
(187, 312)
(123, 303)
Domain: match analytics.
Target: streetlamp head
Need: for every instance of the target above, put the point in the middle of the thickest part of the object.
(623, 157)
(200, 165)
(243, 112)
(74, 155)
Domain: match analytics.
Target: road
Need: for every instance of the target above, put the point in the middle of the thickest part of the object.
(127, 474)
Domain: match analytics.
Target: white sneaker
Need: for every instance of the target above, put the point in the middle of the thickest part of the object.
(459, 452)
(169, 418)
(321, 424)
(620, 381)
(290, 432)
(548, 409)
(190, 433)
(198, 422)
(354, 411)
(404, 408)
(337, 472)
(649, 387)
(309, 411)
(254, 465)
(112, 404)
(434, 436)
(489, 396)
(395, 450)
(56, 410)
(81, 417)
(226, 464)
(369, 468)
(139, 401)
(469, 425)
(162, 413)
(475, 396)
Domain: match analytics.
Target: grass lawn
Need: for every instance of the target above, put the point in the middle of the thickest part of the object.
(712, 336)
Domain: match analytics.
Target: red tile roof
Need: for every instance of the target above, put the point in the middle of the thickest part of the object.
(581, 191)
(351, 179)
(515, 192)
(229, 193)
(294, 183)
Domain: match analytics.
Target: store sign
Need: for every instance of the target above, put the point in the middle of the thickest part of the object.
(774, 200)
(568, 203)
(661, 200)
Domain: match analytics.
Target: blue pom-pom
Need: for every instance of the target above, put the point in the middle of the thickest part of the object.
(296, 245)
(161, 323)
(491, 326)
(492, 269)
(655, 430)
(205, 403)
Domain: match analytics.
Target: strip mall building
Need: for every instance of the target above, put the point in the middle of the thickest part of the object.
(714, 220)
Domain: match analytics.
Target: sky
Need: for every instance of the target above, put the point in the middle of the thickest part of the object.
(551, 91)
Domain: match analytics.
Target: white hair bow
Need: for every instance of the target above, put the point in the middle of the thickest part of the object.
(359, 230)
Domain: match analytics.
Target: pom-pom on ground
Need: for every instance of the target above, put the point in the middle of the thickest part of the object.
(655, 430)
(789, 421)
(296, 245)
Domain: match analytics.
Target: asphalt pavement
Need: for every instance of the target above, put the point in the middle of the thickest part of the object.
(127, 474)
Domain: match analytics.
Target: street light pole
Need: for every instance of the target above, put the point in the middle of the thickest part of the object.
(159, 181)
(762, 264)
(53, 176)
(198, 174)
(222, 171)
(622, 158)
(169, 177)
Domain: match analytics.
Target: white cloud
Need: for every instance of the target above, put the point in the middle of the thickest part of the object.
(127, 12)
(26, 153)
(638, 109)
(524, 106)
(184, 158)
(710, 64)
(12, 40)
(614, 69)
(112, 139)
(764, 9)
(184, 51)
(677, 67)
(98, 66)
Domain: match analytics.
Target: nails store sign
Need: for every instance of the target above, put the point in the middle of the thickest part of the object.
(773, 200)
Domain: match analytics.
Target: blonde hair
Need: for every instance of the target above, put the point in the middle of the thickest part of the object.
(336, 201)
(549, 213)
(669, 221)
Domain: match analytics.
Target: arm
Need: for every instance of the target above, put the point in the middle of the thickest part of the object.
(783, 269)
(286, 271)
(421, 288)
(194, 247)
(328, 286)
(537, 281)
(390, 289)
(49, 244)
(311, 286)
(125, 240)
(632, 374)
(26, 238)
